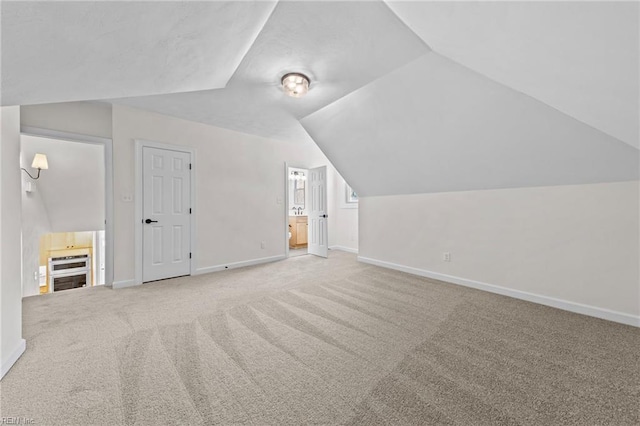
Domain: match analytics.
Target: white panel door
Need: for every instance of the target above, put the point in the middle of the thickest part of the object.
(318, 238)
(166, 192)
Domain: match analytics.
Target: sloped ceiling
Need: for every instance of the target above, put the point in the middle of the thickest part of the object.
(458, 130)
(254, 110)
(66, 51)
(579, 57)
(72, 189)
(339, 45)
(512, 94)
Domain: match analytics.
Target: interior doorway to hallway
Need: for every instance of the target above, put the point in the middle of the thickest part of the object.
(66, 211)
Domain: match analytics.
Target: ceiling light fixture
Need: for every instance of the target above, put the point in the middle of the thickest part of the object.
(295, 84)
(298, 176)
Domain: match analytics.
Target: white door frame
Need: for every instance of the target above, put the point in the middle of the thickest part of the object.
(286, 210)
(139, 144)
(108, 178)
(286, 203)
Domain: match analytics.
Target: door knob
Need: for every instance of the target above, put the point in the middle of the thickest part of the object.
(323, 215)
(150, 221)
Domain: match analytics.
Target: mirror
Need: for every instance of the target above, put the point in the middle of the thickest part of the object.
(297, 193)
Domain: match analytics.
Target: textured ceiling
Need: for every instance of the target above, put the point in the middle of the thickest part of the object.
(579, 57)
(246, 110)
(512, 94)
(458, 130)
(66, 51)
(339, 45)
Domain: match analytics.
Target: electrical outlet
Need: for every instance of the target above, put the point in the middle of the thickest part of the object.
(36, 276)
(263, 244)
(446, 256)
(127, 198)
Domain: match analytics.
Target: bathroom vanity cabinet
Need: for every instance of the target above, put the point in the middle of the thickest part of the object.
(298, 229)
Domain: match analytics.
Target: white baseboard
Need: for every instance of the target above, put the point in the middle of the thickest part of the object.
(343, 248)
(241, 264)
(209, 269)
(566, 305)
(17, 353)
(124, 284)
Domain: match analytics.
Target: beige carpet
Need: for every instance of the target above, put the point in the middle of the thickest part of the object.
(313, 341)
(298, 252)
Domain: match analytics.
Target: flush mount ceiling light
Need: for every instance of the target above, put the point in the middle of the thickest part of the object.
(295, 84)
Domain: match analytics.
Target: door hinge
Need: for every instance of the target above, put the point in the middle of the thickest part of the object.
(189, 166)
(189, 210)
(189, 255)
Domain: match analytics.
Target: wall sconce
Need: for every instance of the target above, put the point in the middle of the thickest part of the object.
(40, 163)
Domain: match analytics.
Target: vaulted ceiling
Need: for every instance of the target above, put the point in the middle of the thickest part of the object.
(457, 130)
(579, 57)
(405, 96)
(68, 51)
(341, 46)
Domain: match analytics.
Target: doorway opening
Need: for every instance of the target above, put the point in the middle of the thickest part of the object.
(306, 216)
(66, 211)
(297, 224)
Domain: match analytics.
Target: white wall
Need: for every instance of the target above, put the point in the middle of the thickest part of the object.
(85, 118)
(576, 243)
(73, 188)
(239, 178)
(11, 342)
(35, 223)
(345, 223)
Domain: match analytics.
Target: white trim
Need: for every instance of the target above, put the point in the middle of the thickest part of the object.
(125, 283)
(108, 177)
(343, 248)
(566, 305)
(286, 210)
(210, 269)
(241, 264)
(67, 136)
(139, 144)
(17, 353)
